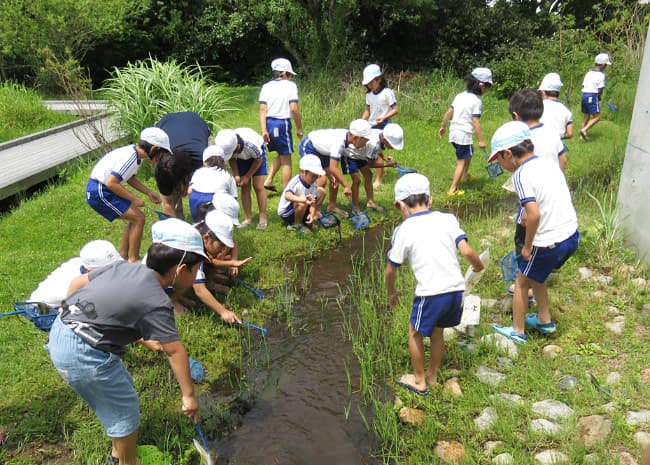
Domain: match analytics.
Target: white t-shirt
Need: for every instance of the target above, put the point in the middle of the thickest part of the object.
(122, 163)
(212, 179)
(429, 241)
(329, 142)
(368, 152)
(466, 106)
(556, 116)
(541, 181)
(379, 103)
(277, 95)
(53, 289)
(253, 144)
(298, 188)
(594, 81)
(547, 143)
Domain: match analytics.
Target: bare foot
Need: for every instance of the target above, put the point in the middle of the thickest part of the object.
(431, 379)
(408, 382)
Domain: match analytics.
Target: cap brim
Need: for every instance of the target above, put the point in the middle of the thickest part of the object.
(493, 156)
(396, 146)
(227, 241)
(318, 172)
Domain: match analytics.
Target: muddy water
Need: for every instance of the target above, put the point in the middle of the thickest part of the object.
(305, 412)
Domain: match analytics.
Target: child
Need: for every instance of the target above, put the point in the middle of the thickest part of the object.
(278, 104)
(465, 113)
(551, 225)
(381, 104)
(328, 145)
(213, 177)
(248, 164)
(592, 92)
(106, 195)
(173, 173)
(371, 156)
(114, 306)
(430, 241)
(556, 115)
(298, 206)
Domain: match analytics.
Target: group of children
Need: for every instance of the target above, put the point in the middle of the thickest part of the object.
(112, 300)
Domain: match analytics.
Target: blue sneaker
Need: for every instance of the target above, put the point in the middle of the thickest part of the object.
(509, 332)
(544, 328)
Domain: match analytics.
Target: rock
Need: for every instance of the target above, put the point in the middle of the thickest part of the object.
(591, 458)
(609, 407)
(551, 350)
(489, 376)
(489, 303)
(553, 409)
(645, 311)
(599, 294)
(625, 458)
(639, 282)
(411, 416)
(637, 418)
(642, 438)
(540, 425)
(486, 419)
(613, 311)
(616, 325)
(448, 334)
(490, 446)
(502, 343)
(505, 362)
(503, 459)
(585, 273)
(602, 279)
(594, 429)
(550, 456)
(452, 386)
(397, 403)
(613, 378)
(506, 304)
(568, 382)
(450, 451)
(645, 375)
(510, 398)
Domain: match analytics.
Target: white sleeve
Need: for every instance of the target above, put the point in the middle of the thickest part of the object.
(398, 251)
(293, 93)
(390, 97)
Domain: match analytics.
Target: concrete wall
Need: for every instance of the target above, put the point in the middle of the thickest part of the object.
(634, 189)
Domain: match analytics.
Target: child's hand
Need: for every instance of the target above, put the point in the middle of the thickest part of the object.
(482, 145)
(154, 197)
(300, 133)
(309, 220)
(393, 299)
(238, 263)
(138, 202)
(309, 199)
(380, 120)
(347, 191)
(266, 137)
(230, 317)
(441, 131)
(526, 252)
(244, 180)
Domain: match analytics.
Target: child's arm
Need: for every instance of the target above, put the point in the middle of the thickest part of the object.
(245, 179)
(265, 130)
(295, 114)
(532, 223)
(476, 122)
(77, 283)
(563, 161)
(115, 185)
(336, 174)
(392, 112)
(293, 198)
(390, 276)
(568, 132)
(180, 365)
(445, 120)
(206, 297)
(313, 214)
(230, 263)
(470, 255)
(137, 185)
(366, 113)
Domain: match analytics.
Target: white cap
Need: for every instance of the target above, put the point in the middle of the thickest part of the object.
(411, 184)
(227, 140)
(178, 235)
(228, 204)
(508, 135)
(100, 253)
(394, 134)
(157, 137)
(602, 59)
(361, 128)
(221, 225)
(370, 72)
(312, 164)
(282, 64)
(551, 82)
(214, 151)
(483, 75)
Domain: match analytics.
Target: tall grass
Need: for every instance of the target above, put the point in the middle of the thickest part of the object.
(142, 92)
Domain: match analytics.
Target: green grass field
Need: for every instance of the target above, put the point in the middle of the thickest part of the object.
(47, 423)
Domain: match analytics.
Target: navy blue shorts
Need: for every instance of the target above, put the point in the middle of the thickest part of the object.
(104, 201)
(244, 165)
(351, 165)
(280, 136)
(590, 104)
(546, 259)
(436, 311)
(381, 125)
(463, 151)
(307, 148)
(197, 199)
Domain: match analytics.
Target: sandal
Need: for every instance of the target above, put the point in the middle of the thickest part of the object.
(376, 208)
(262, 225)
(244, 224)
(271, 188)
(509, 332)
(299, 228)
(544, 328)
(455, 193)
(338, 211)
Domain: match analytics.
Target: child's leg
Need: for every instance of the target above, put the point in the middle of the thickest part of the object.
(585, 120)
(466, 162)
(356, 182)
(435, 359)
(124, 448)
(368, 187)
(334, 190)
(458, 172)
(379, 176)
(520, 302)
(260, 192)
(416, 348)
(285, 164)
(130, 245)
(275, 166)
(592, 122)
(299, 209)
(246, 202)
(540, 290)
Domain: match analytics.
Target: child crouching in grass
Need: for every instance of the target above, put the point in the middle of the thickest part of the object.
(429, 241)
(298, 206)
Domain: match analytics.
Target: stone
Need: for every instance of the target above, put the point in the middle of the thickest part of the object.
(489, 303)
(616, 325)
(411, 416)
(452, 386)
(639, 282)
(645, 375)
(486, 420)
(450, 451)
(585, 273)
(490, 446)
(613, 378)
(397, 403)
(503, 459)
(642, 438)
(553, 409)
(613, 311)
(489, 376)
(602, 279)
(568, 382)
(645, 311)
(593, 429)
(551, 350)
(509, 398)
(550, 457)
(591, 458)
(505, 362)
(609, 407)
(541, 425)
(502, 343)
(637, 418)
(506, 304)
(599, 294)
(625, 458)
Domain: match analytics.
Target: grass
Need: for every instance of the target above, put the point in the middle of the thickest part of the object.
(47, 423)
(22, 112)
